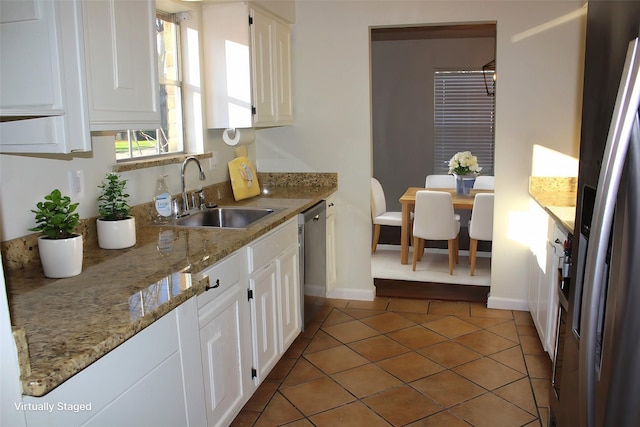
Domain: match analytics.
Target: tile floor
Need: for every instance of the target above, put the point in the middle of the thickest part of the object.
(407, 362)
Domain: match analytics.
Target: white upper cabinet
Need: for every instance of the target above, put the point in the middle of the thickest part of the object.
(42, 87)
(122, 66)
(247, 67)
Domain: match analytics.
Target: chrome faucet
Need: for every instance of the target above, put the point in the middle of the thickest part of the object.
(185, 200)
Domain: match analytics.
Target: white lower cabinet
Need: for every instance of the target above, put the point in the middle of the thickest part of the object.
(138, 383)
(199, 364)
(331, 244)
(274, 285)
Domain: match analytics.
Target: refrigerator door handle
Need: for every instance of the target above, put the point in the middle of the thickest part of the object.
(626, 107)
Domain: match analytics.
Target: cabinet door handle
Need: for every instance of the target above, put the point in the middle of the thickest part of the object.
(214, 286)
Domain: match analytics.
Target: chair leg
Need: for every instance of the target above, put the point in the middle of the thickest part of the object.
(473, 247)
(376, 236)
(452, 247)
(457, 249)
(416, 245)
(420, 249)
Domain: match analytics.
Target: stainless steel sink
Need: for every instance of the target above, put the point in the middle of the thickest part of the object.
(225, 217)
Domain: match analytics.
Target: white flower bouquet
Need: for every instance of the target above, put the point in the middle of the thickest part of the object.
(464, 163)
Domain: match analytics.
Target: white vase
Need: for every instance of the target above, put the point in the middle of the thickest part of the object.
(118, 234)
(61, 257)
(464, 184)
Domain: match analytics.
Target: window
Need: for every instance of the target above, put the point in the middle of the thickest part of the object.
(168, 139)
(464, 118)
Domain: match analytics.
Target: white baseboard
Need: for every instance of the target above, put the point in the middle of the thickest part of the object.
(353, 294)
(507, 304)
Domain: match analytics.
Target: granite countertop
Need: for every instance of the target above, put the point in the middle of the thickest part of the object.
(557, 196)
(62, 326)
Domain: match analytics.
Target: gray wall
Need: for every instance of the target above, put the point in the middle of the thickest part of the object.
(402, 104)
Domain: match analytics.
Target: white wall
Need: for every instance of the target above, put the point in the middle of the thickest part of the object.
(539, 62)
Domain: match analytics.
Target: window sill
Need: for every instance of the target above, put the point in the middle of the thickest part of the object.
(131, 165)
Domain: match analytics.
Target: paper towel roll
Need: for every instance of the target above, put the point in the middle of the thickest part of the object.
(235, 137)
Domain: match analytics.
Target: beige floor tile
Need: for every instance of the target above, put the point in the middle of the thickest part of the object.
(481, 310)
(410, 367)
(506, 330)
(279, 411)
(450, 354)
(352, 415)
(261, 397)
(447, 388)
(451, 327)
(333, 302)
(451, 308)
(336, 359)
(520, 394)
(531, 345)
(416, 337)
(408, 305)
(321, 341)
(441, 419)
(303, 371)
(485, 342)
(538, 366)
(300, 423)
(350, 331)
(527, 330)
(541, 391)
(522, 318)
(297, 348)
(366, 380)
(336, 317)
(488, 373)
(378, 348)
(490, 410)
(317, 396)
(485, 322)
(377, 304)
(360, 313)
(511, 357)
(310, 329)
(388, 322)
(245, 418)
(401, 405)
(281, 370)
(421, 318)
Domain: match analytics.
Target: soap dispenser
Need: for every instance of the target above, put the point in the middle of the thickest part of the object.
(162, 201)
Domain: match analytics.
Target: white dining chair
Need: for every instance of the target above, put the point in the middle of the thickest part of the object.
(440, 181)
(434, 219)
(484, 182)
(480, 225)
(379, 214)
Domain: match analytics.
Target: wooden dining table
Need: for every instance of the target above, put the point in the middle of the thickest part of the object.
(408, 202)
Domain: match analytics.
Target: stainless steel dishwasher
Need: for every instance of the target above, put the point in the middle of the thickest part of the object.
(312, 236)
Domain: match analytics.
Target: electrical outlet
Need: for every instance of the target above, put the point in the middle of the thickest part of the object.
(76, 183)
(213, 160)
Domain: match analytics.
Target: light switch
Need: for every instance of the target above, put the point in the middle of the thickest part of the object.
(76, 183)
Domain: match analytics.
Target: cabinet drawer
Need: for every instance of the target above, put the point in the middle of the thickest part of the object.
(222, 276)
(269, 247)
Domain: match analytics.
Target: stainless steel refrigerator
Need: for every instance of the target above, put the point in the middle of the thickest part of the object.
(596, 373)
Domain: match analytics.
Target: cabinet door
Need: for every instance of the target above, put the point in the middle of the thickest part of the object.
(264, 320)
(224, 360)
(284, 104)
(262, 42)
(122, 70)
(290, 303)
(42, 77)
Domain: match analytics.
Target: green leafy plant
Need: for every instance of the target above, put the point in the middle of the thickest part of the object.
(113, 204)
(56, 217)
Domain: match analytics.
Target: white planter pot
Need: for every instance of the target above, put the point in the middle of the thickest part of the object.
(116, 234)
(60, 257)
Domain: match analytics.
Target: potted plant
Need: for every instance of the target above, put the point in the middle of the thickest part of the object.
(464, 167)
(116, 227)
(60, 247)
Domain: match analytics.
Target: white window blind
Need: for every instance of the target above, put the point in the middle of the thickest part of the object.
(464, 118)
